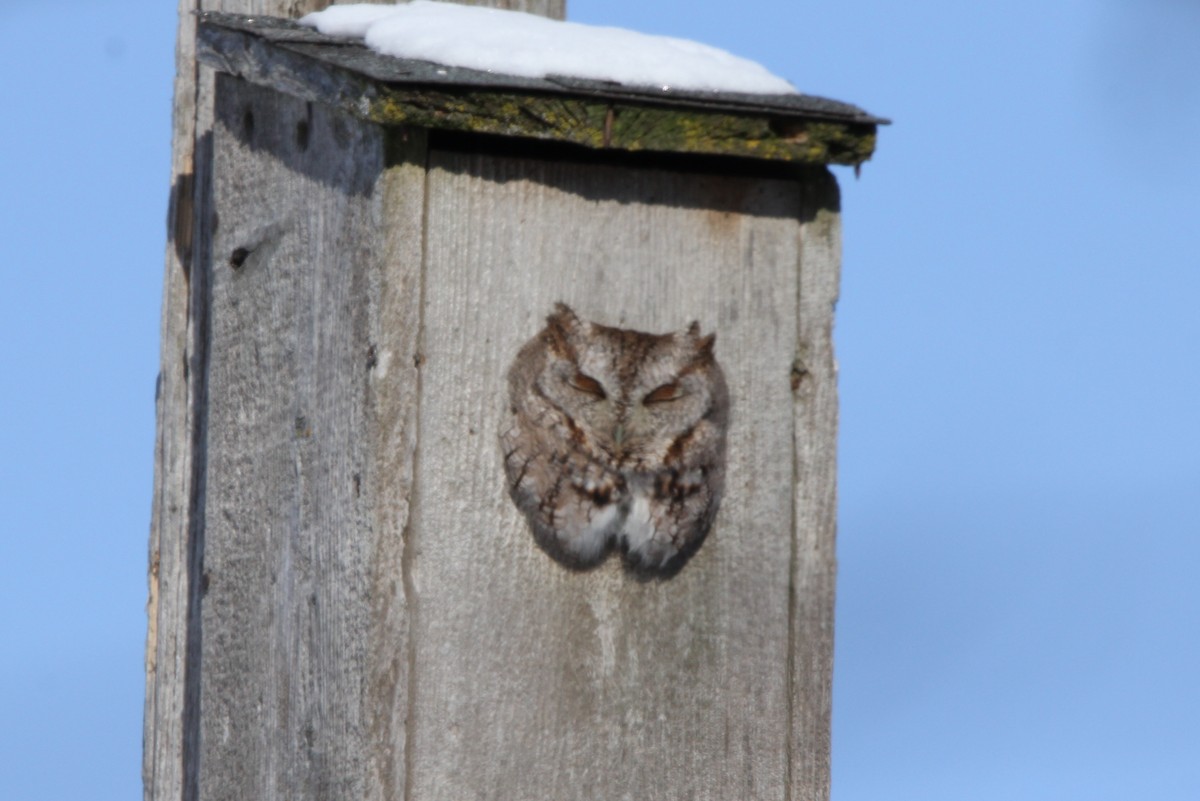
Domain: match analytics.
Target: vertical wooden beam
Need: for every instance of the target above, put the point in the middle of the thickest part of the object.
(175, 550)
(814, 565)
(308, 442)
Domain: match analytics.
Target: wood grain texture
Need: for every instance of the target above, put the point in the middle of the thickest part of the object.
(815, 424)
(171, 717)
(305, 482)
(168, 756)
(534, 682)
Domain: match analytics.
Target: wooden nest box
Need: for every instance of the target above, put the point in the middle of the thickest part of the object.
(364, 614)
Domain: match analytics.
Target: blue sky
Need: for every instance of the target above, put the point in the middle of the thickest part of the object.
(1018, 336)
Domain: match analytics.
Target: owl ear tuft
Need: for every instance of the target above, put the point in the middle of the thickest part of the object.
(564, 318)
(703, 346)
(563, 326)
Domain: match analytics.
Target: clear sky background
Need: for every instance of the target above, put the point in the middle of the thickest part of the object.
(1018, 601)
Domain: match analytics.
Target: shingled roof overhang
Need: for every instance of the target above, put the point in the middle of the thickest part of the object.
(344, 73)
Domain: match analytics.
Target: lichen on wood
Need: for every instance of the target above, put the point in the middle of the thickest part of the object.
(597, 124)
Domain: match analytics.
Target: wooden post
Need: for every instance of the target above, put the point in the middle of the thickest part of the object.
(343, 601)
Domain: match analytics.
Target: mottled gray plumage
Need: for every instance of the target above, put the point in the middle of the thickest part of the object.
(616, 438)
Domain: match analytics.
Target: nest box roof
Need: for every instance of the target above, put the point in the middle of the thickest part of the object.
(346, 74)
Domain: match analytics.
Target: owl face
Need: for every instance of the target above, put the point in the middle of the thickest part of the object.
(616, 439)
(632, 395)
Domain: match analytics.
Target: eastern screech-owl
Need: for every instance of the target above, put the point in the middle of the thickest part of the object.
(616, 438)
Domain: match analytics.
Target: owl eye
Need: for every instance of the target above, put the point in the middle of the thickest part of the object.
(667, 392)
(585, 383)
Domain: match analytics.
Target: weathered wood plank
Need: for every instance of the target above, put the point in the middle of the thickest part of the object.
(169, 742)
(534, 682)
(392, 397)
(816, 420)
(172, 714)
(170, 587)
(308, 451)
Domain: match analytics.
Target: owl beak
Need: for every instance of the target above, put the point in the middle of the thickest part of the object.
(619, 436)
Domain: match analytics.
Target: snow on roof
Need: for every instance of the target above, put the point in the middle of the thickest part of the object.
(516, 43)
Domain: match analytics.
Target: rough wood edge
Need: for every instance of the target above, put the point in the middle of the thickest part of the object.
(166, 607)
(592, 123)
(814, 380)
(393, 397)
